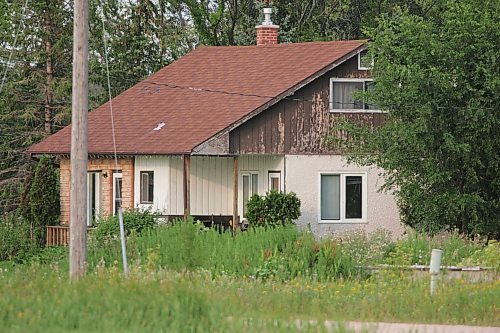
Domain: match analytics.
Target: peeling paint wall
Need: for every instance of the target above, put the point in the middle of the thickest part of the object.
(302, 177)
(301, 123)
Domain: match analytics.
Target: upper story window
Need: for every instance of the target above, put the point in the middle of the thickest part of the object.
(147, 187)
(365, 61)
(343, 95)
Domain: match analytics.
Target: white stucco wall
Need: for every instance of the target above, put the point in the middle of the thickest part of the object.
(303, 176)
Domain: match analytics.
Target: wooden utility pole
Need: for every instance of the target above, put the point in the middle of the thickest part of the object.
(79, 150)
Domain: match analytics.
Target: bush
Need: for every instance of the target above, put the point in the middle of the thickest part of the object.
(134, 220)
(15, 241)
(275, 208)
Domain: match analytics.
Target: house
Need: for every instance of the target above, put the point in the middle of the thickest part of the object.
(203, 134)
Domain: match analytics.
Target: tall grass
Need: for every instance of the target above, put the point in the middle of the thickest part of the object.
(282, 253)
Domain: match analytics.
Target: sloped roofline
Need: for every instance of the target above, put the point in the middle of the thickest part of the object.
(280, 97)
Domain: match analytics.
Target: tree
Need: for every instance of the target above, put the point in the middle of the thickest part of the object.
(43, 199)
(34, 99)
(438, 80)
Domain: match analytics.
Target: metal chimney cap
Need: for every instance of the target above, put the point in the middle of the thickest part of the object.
(267, 16)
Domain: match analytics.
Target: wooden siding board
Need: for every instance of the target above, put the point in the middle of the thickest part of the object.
(287, 107)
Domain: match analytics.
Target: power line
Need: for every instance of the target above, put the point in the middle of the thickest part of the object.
(233, 93)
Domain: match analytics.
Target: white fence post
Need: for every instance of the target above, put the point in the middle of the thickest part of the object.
(436, 255)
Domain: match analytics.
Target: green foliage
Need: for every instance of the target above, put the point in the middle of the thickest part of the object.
(15, 241)
(42, 298)
(273, 209)
(488, 256)
(366, 248)
(264, 253)
(134, 221)
(43, 199)
(438, 79)
(415, 249)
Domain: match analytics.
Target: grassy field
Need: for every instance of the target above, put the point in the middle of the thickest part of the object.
(40, 298)
(185, 279)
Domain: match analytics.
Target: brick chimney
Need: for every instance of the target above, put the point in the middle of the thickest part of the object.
(267, 32)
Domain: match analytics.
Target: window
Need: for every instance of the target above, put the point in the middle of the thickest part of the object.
(343, 197)
(274, 180)
(365, 61)
(117, 191)
(250, 183)
(343, 95)
(147, 187)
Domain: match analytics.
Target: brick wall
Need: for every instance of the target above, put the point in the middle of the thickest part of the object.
(106, 167)
(267, 34)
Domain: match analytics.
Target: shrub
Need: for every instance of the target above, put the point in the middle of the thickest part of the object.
(15, 241)
(275, 208)
(134, 220)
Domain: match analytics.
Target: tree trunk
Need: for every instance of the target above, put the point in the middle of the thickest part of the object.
(49, 95)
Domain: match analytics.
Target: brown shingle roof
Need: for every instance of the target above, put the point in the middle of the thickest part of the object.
(192, 116)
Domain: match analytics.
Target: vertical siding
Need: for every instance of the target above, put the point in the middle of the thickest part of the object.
(161, 197)
(211, 185)
(176, 188)
(260, 164)
(211, 182)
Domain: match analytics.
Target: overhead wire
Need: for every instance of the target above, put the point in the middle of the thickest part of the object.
(117, 184)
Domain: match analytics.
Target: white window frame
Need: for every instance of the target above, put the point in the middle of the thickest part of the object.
(141, 199)
(97, 188)
(362, 68)
(117, 175)
(270, 176)
(252, 191)
(364, 198)
(363, 110)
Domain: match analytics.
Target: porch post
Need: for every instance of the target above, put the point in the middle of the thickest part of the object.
(186, 180)
(235, 193)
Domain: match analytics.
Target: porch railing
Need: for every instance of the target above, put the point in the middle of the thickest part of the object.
(59, 235)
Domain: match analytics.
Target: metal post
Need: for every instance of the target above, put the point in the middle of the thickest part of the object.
(122, 239)
(79, 152)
